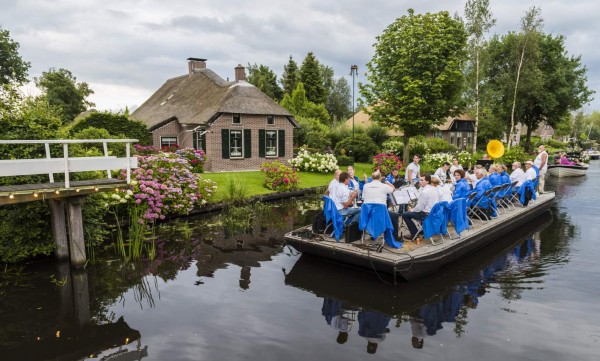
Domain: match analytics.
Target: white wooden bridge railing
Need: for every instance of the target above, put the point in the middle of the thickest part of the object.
(66, 164)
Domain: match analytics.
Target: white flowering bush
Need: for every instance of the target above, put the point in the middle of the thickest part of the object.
(314, 162)
(436, 160)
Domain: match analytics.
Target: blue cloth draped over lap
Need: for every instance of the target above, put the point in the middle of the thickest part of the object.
(332, 214)
(457, 211)
(523, 189)
(436, 222)
(376, 220)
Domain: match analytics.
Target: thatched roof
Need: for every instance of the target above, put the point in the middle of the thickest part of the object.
(201, 97)
(450, 120)
(361, 118)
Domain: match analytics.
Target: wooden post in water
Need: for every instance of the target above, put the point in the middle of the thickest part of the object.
(59, 228)
(76, 239)
(81, 295)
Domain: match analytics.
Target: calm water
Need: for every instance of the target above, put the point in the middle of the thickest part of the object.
(226, 288)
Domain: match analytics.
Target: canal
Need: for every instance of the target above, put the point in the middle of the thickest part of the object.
(225, 287)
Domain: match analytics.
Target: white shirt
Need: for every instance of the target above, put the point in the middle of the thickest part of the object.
(441, 174)
(376, 192)
(538, 161)
(519, 176)
(473, 179)
(444, 193)
(427, 198)
(340, 195)
(331, 187)
(531, 174)
(454, 167)
(415, 171)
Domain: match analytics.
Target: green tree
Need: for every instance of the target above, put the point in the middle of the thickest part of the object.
(553, 83)
(60, 88)
(12, 66)
(479, 21)
(415, 77)
(311, 77)
(531, 25)
(262, 77)
(299, 105)
(338, 101)
(117, 125)
(291, 76)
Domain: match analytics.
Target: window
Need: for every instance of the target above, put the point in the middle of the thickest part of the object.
(270, 120)
(199, 139)
(237, 119)
(168, 141)
(271, 143)
(235, 144)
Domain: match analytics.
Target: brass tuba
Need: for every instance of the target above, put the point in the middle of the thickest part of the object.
(495, 148)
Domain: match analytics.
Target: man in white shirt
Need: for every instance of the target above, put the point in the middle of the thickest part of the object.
(428, 196)
(334, 183)
(413, 171)
(376, 192)
(455, 166)
(541, 161)
(344, 199)
(529, 171)
(442, 172)
(518, 174)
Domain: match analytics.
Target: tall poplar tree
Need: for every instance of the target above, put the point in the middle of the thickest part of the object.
(291, 76)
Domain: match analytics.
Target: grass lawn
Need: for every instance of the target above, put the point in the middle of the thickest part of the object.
(254, 180)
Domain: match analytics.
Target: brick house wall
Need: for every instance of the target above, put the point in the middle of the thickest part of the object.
(213, 140)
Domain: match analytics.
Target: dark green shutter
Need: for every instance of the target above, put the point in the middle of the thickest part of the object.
(203, 141)
(247, 143)
(261, 143)
(281, 140)
(225, 143)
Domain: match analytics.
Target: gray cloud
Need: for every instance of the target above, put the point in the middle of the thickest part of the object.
(125, 49)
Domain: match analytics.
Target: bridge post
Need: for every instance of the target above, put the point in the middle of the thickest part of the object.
(59, 229)
(76, 238)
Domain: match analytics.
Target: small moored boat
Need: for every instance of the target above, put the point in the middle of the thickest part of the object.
(563, 170)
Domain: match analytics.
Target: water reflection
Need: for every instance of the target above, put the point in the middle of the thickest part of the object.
(427, 305)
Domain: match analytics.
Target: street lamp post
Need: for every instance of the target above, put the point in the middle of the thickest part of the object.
(354, 73)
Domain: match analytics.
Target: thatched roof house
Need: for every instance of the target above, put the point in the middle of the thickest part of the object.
(229, 120)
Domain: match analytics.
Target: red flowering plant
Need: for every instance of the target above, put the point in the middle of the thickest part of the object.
(145, 149)
(384, 162)
(279, 177)
(196, 158)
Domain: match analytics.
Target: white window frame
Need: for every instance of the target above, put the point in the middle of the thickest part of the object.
(271, 152)
(168, 145)
(232, 154)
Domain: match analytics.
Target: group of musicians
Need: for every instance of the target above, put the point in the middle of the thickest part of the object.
(449, 182)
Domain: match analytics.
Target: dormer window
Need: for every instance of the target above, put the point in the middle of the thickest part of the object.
(237, 119)
(270, 120)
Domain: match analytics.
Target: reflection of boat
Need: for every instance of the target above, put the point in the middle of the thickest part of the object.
(355, 287)
(412, 263)
(562, 170)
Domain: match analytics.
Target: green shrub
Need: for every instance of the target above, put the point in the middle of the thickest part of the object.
(377, 133)
(308, 161)
(236, 190)
(515, 154)
(116, 124)
(438, 145)
(364, 147)
(344, 160)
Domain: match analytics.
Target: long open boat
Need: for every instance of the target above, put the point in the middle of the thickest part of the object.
(354, 286)
(563, 170)
(414, 261)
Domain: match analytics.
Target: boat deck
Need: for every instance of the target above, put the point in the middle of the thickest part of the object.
(416, 259)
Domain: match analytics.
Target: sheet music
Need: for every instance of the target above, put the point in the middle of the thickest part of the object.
(405, 195)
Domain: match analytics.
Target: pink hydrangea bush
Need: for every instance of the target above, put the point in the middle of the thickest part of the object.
(279, 177)
(384, 162)
(196, 158)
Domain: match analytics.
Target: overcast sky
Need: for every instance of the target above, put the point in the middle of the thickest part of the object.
(126, 49)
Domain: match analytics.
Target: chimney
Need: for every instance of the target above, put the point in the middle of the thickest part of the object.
(240, 73)
(195, 64)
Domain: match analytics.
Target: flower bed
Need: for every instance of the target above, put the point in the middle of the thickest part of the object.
(314, 162)
(279, 177)
(385, 162)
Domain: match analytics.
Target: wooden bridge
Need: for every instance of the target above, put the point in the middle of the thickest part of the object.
(65, 197)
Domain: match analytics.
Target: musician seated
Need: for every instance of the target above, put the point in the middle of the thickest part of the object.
(517, 174)
(442, 172)
(483, 185)
(394, 178)
(444, 192)
(344, 198)
(377, 192)
(428, 196)
(462, 188)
